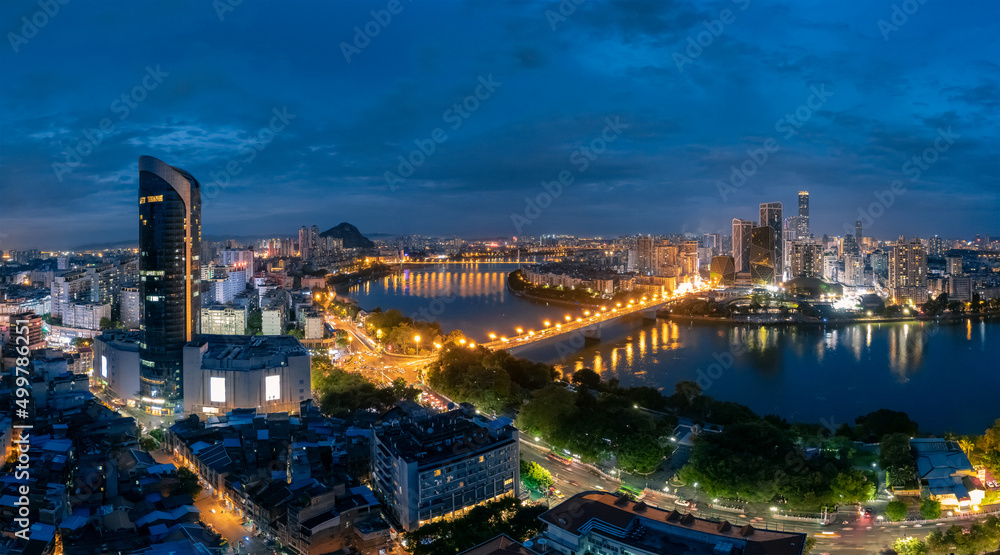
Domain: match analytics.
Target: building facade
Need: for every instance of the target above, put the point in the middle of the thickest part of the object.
(116, 363)
(762, 253)
(771, 216)
(908, 272)
(220, 319)
(430, 468)
(226, 372)
(742, 234)
(802, 227)
(169, 267)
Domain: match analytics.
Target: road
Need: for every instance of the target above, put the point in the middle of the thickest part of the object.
(849, 533)
(219, 518)
(377, 366)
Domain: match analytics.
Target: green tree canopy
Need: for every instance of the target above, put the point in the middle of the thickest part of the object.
(895, 510)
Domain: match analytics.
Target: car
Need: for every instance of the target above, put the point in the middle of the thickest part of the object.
(869, 512)
(682, 502)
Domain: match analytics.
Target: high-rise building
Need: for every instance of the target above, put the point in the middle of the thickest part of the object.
(857, 232)
(854, 270)
(131, 307)
(169, 267)
(762, 253)
(953, 265)
(742, 230)
(304, 243)
(805, 259)
(770, 216)
(426, 468)
(803, 221)
(722, 271)
(935, 247)
(645, 255)
(908, 271)
(241, 259)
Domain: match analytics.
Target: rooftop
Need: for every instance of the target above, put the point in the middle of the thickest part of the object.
(663, 531)
(248, 351)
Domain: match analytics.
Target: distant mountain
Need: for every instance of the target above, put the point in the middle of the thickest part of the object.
(353, 239)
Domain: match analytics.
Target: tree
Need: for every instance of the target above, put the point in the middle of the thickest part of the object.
(189, 484)
(535, 476)
(255, 323)
(502, 516)
(909, 546)
(296, 332)
(988, 449)
(897, 461)
(930, 509)
(158, 435)
(639, 453)
(895, 510)
(852, 487)
(587, 378)
(872, 426)
(148, 443)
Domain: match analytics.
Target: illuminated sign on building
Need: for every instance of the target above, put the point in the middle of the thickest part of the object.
(272, 388)
(217, 390)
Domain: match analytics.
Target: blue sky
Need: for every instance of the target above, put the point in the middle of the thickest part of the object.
(202, 85)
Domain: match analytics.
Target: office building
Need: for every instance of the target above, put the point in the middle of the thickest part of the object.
(116, 363)
(805, 259)
(221, 319)
(908, 272)
(239, 260)
(762, 253)
(169, 264)
(722, 271)
(25, 323)
(742, 231)
(770, 216)
(802, 229)
(603, 523)
(960, 288)
(432, 468)
(226, 372)
(858, 235)
(131, 307)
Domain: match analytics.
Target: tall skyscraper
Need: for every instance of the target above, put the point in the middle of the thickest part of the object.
(770, 216)
(857, 232)
(741, 244)
(762, 252)
(803, 221)
(169, 270)
(304, 243)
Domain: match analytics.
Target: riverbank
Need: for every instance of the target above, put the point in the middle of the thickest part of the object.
(522, 289)
(795, 320)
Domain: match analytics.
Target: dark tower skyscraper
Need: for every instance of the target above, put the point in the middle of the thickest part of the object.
(169, 270)
(770, 216)
(741, 244)
(857, 232)
(762, 262)
(803, 221)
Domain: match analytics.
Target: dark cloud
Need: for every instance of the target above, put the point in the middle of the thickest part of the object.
(354, 118)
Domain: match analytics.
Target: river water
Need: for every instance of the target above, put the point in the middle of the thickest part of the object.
(946, 377)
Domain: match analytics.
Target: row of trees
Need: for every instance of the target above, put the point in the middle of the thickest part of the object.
(981, 537)
(401, 334)
(493, 381)
(942, 303)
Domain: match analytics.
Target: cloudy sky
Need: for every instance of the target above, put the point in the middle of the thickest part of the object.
(660, 116)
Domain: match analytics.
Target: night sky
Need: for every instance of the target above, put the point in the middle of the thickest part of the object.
(839, 96)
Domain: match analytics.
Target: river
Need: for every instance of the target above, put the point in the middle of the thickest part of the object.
(946, 377)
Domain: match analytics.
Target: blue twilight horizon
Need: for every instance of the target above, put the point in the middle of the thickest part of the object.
(484, 118)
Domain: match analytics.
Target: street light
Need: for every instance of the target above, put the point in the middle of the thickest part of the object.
(547, 323)
(520, 331)
(493, 336)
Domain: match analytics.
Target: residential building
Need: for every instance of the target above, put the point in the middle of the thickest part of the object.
(241, 259)
(274, 312)
(805, 258)
(85, 315)
(854, 271)
(131, 307)
(169, 254)
(953, 266)
(437, 467)
(311, 323)
(602, 523)
(908, 272)
(226, 372)
(224, 319)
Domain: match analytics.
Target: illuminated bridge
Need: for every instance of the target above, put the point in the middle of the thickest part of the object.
(582, 330)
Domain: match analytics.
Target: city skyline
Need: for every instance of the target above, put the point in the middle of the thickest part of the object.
(292, 117)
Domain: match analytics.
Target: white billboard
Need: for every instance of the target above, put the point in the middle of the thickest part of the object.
(217, 390)
(272, 388)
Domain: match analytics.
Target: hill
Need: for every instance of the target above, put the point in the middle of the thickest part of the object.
(353, 239)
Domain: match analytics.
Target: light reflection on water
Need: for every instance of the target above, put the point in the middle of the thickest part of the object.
(802, 373)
